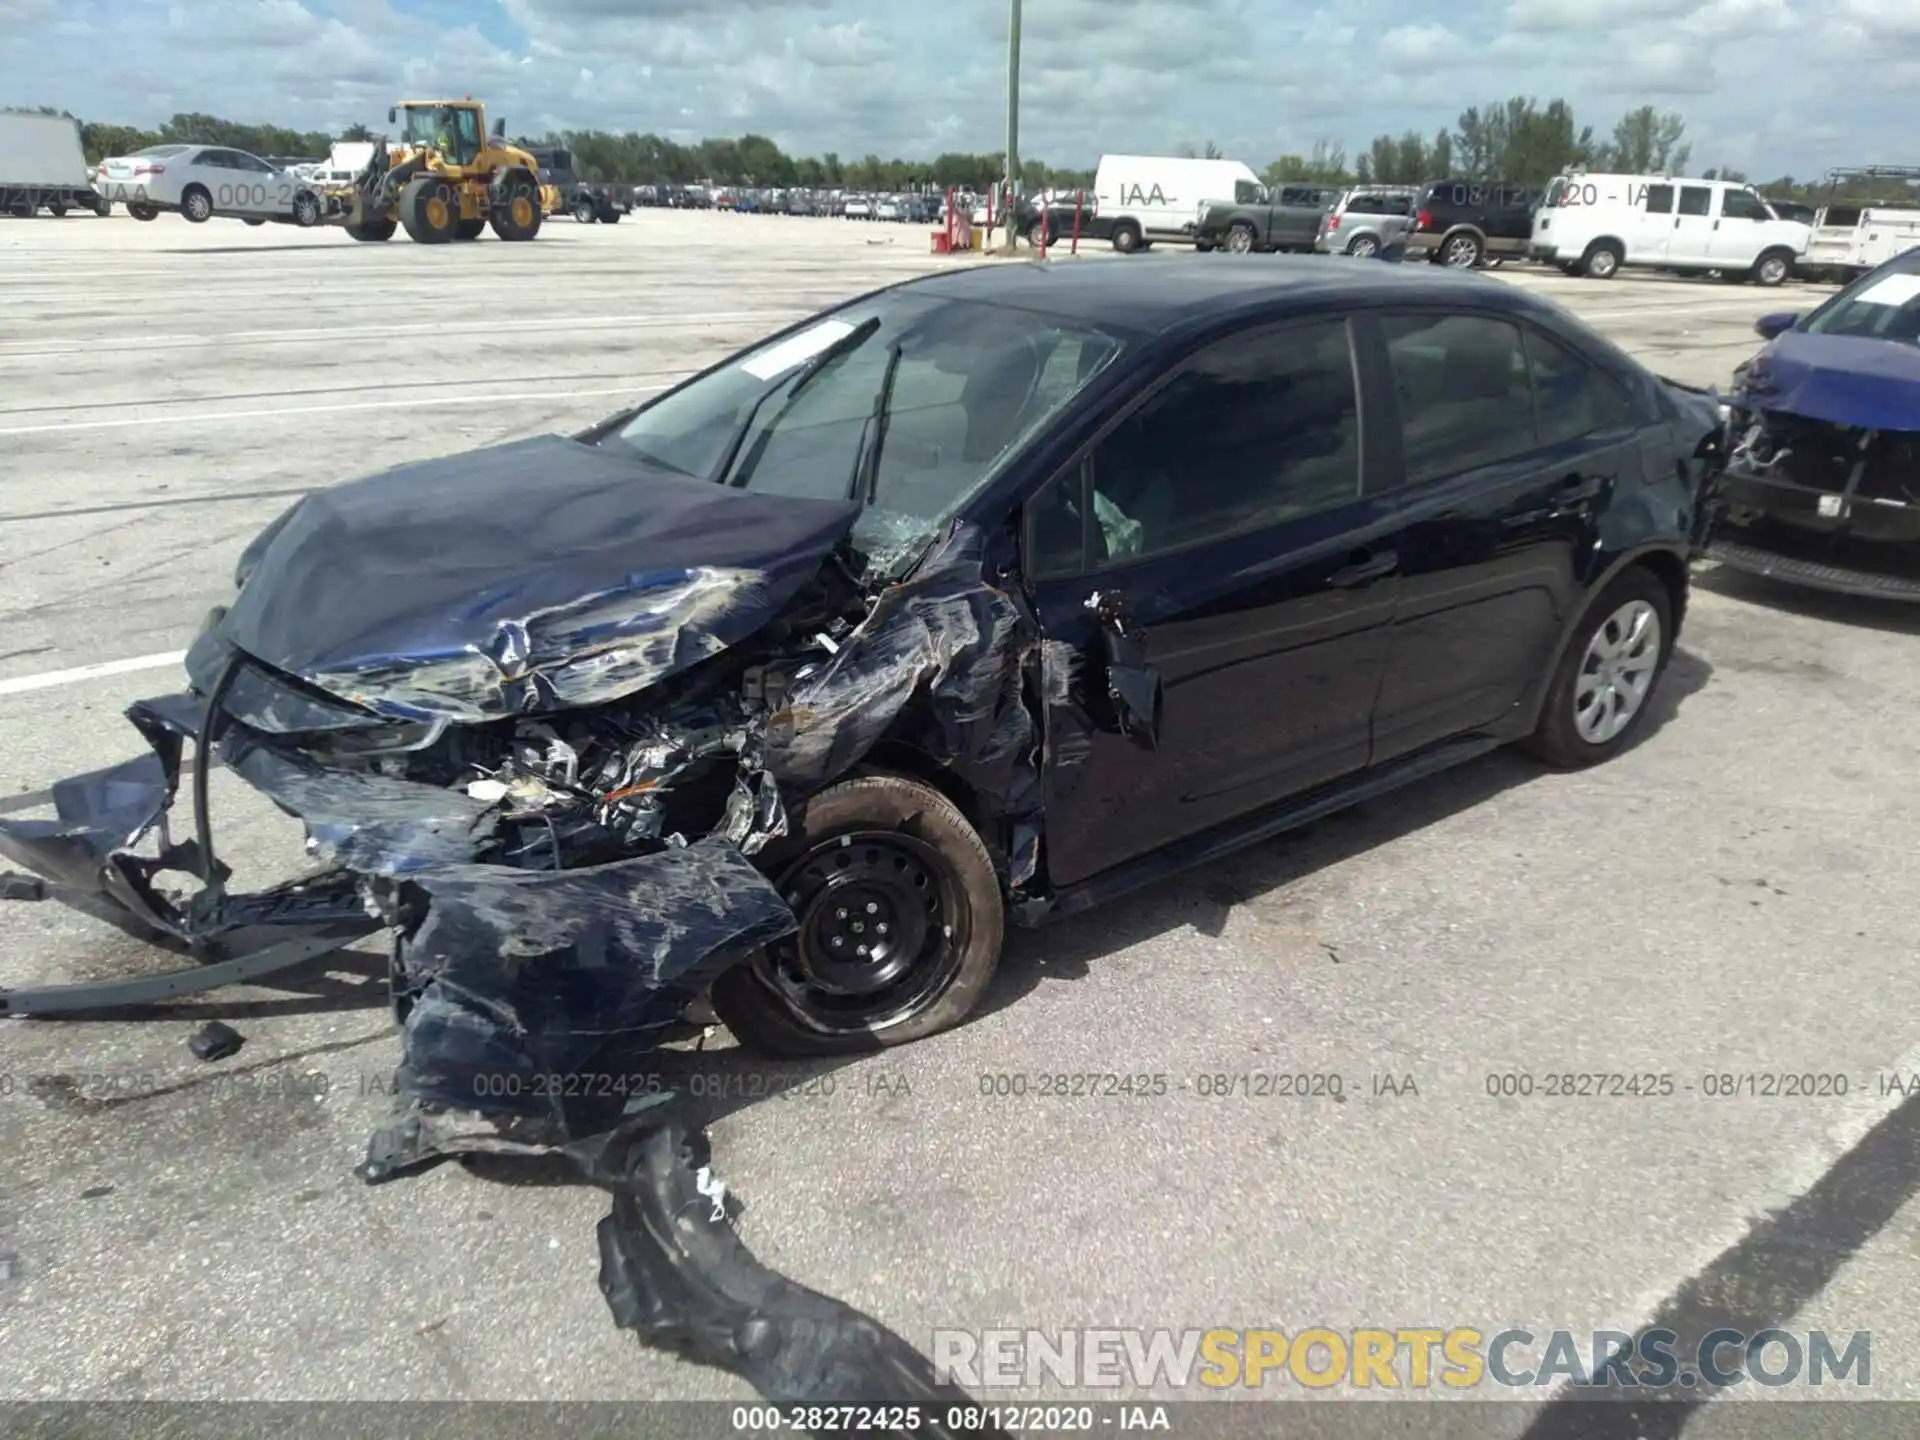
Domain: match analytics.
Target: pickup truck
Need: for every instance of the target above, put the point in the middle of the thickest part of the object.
(1287, 217)
(582, 199)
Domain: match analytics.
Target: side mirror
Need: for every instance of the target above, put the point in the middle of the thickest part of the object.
(1767, 327)
(499, 129)
(393, 114)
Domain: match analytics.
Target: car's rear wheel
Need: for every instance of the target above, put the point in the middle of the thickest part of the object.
(1462, 251)
(515, 207)
(1126, 238)
(900, 924)
(196, 204)
(1772, 268)
(1365, 246)
(1600, 693)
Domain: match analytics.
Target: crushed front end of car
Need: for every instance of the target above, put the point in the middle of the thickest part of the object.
(1821, 486)
(544, 749)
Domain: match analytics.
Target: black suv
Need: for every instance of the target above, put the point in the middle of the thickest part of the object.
(1464, 223)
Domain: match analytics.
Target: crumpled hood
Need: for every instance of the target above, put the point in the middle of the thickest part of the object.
(1842, 379)
(540, 574)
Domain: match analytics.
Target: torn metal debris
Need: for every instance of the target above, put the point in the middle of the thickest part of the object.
(675, 1272)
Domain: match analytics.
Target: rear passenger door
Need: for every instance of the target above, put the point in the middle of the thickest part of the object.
(1214, 588)
(1508, 445)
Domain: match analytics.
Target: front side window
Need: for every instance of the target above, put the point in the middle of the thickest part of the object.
(1254, 431)
(1465, 396)
(1743, 205)
(1574, 397)
(904, 403)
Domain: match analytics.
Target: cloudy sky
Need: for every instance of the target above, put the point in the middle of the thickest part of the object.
(1766, 85)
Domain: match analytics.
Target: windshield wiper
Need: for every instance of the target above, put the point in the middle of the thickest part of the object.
(865, 479)
(853, 339)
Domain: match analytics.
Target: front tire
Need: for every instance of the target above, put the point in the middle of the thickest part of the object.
(1240, 239)
(1601, 262)
(374, 231)
(901, 923)
(1603, 687)
(196, 204)
(430, 210)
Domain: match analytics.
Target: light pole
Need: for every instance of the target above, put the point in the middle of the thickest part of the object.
(1013, 120)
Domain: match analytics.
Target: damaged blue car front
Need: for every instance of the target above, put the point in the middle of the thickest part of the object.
(1822, 482)
(543, 708)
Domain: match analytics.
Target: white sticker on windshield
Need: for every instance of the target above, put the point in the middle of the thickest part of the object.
(789, 353)
(1894, 290)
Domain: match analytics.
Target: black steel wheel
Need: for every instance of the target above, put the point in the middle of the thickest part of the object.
(899, 924)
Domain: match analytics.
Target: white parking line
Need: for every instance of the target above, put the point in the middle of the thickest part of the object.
(258, 412)
(48, 679)
(343, 333)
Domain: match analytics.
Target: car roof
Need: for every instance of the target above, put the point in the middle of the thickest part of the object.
(1156, 293)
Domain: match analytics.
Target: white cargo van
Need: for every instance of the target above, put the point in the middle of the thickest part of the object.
(1595, 224)
(42, 165)
(1145, 198)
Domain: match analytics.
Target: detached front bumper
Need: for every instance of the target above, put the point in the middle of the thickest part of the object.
(509, 982)
(90, 858)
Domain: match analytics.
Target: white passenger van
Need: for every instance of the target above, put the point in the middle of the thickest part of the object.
(1145, 198)
(1594, 224)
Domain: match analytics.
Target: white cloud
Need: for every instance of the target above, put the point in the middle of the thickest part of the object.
(817, 75)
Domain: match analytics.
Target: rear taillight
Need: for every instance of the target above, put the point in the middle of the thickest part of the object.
(1423, 221)
(1333, 222)
(149, 170)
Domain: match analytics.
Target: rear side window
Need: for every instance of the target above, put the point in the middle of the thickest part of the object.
(1465, 395)
(1255, 431)
(1574, 397)
(1696, 200)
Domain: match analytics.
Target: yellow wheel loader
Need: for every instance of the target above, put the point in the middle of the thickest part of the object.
(446, 177)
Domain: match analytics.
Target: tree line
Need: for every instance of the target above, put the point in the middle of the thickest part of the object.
(1519, 140)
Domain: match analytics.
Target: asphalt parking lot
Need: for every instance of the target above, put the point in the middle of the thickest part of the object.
(1732, 896)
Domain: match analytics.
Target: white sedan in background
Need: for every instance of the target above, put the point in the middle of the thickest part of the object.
(201, 181)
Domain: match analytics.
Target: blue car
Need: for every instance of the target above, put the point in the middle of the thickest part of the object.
(1822, 481)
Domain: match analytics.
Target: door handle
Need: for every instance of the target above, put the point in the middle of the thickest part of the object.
(1577, 489)
(1364, 569)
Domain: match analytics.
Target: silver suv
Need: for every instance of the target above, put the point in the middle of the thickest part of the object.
(1367, 219)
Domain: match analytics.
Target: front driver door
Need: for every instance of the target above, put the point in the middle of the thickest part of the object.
(1214, 590)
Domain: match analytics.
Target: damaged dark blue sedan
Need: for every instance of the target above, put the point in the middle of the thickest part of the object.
(1822, 482)
(986, 596)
